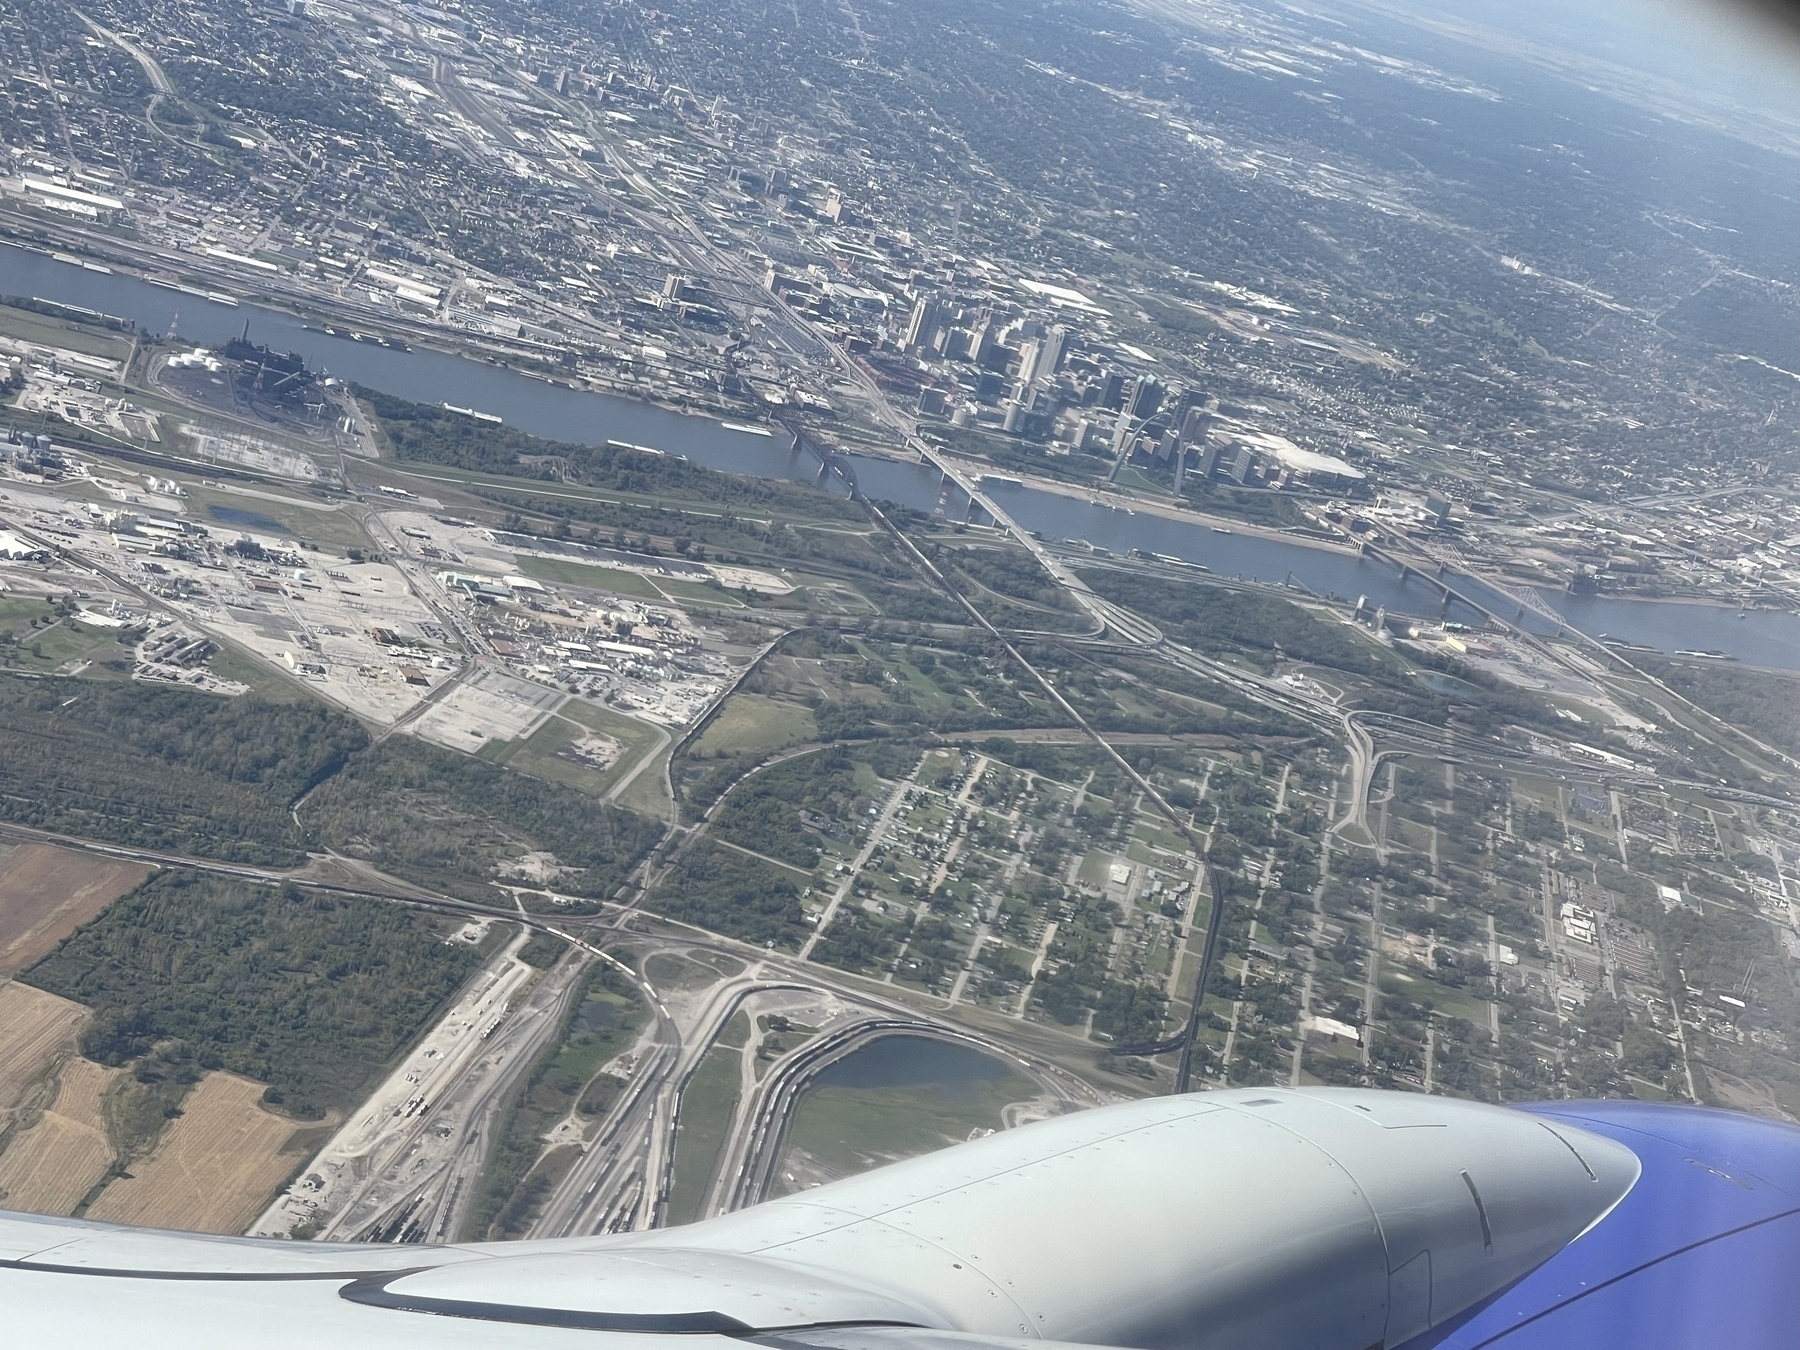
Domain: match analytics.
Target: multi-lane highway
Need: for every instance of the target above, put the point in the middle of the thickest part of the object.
(404, 1167)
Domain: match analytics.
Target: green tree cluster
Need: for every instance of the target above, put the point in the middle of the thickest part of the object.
(168, 769)
(312, 994)
(456, 822)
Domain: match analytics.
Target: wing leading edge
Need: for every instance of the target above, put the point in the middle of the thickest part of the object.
(1237, 1220)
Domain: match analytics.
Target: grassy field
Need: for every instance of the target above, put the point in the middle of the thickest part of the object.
(51, 1167)
(43, 649)
(675, 974)
(648, 792)
(706, 1109)
(697, 593)
(753, 722)
(841, 1128)
(537, 754)
(35, 1028)
(216, 1167)
(54, 332)
(323, 524)
(615, 580)
(46, 893)
(1443, 999)
(622, 581)
(231, 663)
(737, 1032)
(17, 612)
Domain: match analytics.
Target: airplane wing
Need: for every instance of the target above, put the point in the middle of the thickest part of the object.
(1252, 1219)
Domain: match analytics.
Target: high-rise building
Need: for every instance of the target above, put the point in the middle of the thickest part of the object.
(927, 317)
(1121, 431)
(1146, 396)
(1040, 356)
(981, 340)
(1206, 458)
(991, 352)
(1028, 360)
(1196, 424)
(1241, 464)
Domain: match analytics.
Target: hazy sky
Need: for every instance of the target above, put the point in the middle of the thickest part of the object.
(1730, 47)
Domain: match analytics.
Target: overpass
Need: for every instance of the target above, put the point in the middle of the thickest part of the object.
(1129, 627)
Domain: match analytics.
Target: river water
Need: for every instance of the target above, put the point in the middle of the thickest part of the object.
(560, 413)
(537, 406)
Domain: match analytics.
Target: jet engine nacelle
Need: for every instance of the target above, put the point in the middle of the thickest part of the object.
(1237, 1220)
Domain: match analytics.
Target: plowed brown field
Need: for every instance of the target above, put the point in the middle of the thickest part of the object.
(51, 1166)
(214, 1170)
(46, 893)
(35, 1028)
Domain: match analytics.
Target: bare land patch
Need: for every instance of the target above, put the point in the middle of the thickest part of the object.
(35, 1028)
(50, 1168)
(216, 1167)
(46, 893)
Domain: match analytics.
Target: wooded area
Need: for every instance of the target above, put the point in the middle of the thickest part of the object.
(724, 891)
(420, 432)
(165, 768)
(770, 812)
(311, 994)
(1764, 703)
(457, 823)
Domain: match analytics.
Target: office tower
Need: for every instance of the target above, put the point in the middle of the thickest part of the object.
(1040, 356)
(1146, 396)
(1028, 360)
(1050, 351)
(1196, 424)
(927, 315)
(1121, 432)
